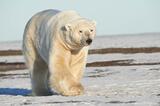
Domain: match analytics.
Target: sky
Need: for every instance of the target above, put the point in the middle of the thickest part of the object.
(113, 17)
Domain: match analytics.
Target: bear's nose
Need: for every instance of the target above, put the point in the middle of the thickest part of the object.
(89, 41)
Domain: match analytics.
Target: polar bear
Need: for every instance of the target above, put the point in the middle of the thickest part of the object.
(55, 47)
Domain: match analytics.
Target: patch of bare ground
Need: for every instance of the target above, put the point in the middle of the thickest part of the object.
(10, 52)
(125, 50)
(21, 65)
(97, 51)
(12, 66)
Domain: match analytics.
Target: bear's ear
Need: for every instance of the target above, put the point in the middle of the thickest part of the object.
(94, 22)
(68, 27)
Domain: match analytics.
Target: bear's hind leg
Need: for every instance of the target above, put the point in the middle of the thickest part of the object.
(38, 70)
(39, 78)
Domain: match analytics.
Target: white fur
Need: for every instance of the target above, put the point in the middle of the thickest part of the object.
(56, 52)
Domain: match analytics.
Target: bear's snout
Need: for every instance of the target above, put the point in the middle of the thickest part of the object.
(89, 41)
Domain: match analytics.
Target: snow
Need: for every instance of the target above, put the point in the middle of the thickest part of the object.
(104, 86)
(14, 45)
(125, 41)
(137, 85)
(11, 59)
(137, 58)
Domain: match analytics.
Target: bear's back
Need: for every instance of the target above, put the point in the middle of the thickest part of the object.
(44, 26)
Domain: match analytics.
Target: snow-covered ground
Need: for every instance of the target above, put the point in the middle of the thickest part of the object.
(120, 85)
(137, 85)
(124, 41)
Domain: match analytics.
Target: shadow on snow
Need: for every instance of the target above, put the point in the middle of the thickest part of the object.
(14, 91)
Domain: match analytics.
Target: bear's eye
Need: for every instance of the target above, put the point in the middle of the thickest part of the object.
(91, 30)
(80, 31)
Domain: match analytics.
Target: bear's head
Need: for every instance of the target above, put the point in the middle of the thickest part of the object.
(79, 32)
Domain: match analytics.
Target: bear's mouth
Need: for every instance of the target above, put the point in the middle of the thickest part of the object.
(77, 45)
(82, 43)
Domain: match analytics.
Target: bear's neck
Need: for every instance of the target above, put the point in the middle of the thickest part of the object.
(75, 51)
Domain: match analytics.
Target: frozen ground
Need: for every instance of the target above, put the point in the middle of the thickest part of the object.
(137, 85)
(120, 85)
(124, 41)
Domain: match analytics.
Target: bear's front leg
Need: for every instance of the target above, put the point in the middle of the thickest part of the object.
(61, 79)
